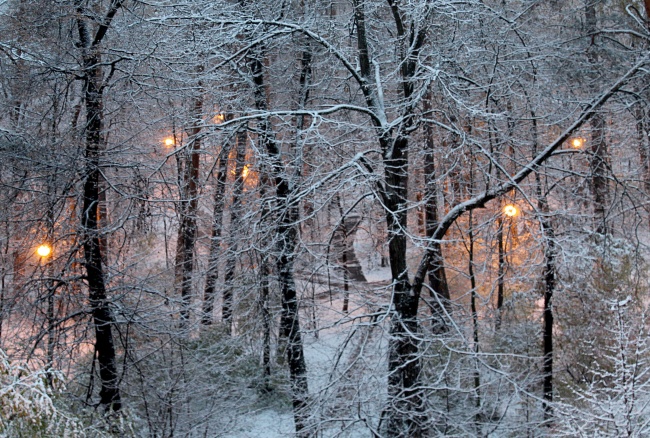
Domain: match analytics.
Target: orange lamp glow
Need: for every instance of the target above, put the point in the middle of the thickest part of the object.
(44, 250)
(169, 142)
(577, 142)
(510, 210)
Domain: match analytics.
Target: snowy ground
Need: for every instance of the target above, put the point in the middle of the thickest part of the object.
(321, 353)
(334, 327)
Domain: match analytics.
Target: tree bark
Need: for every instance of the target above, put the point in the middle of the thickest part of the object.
(189, 205)
(549, 289)
(599, 150)
(548, 232)
(439, 289)
(215, 241)
(644, 157)
(103, 319)
(235, 207)
(500, 273)
(405, 413)
(286, 234)
(473, 296)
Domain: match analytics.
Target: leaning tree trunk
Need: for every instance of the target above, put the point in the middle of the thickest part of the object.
(103, 320)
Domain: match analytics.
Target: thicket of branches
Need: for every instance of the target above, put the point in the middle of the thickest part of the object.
(370, 218)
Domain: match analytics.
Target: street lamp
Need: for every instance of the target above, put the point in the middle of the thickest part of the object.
(510, 210)
(169, 142)
(577, 143)
(44, 250)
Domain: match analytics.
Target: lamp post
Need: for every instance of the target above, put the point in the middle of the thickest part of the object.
(44, 251)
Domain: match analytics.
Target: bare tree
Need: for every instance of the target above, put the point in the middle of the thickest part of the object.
(89, 42)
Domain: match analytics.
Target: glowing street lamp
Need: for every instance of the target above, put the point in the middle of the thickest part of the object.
(169, 142)
(44, 250)
(577, 143)
(510, 210)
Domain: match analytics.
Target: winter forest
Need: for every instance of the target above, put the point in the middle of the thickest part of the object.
(341, 218)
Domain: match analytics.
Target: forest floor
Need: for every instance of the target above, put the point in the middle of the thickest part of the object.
(336, 343)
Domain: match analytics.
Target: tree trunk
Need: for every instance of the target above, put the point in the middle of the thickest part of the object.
(102, 317)
(189, 205)
(406, 411)
(235, 207)
(473, 296)
(265, 273)
(640, 117)
(549, 288)
(500, 273)
(439, 288)
(215, 241)
(286, 233)
(548, 233)
(599, 150)
(264, 295)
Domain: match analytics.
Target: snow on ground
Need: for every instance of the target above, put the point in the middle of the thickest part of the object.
(321, 353)
(377, 275)
(334, 328)
(267, 424)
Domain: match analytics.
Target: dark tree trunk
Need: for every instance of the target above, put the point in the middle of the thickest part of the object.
(102, 317)
(189, 205)
(473, 296)
(265, 273)
(343, 231)
(286, 234)
(549, 288)
(500, 273)
(599, 150)
(405, 413)
(264, 295)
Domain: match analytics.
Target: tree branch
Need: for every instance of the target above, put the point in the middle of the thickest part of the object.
(481, 200)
